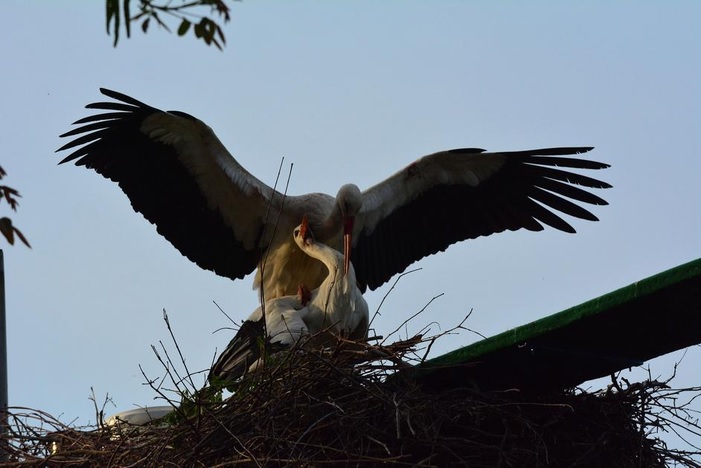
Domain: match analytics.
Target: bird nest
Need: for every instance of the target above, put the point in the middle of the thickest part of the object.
(341, 407)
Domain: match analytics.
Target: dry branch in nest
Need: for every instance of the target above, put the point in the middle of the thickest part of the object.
(337, 407)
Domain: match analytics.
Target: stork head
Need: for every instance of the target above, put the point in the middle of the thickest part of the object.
(302, 234)
(349, 200)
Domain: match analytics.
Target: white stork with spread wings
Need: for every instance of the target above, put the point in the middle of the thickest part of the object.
(178, 174)
(335, 308)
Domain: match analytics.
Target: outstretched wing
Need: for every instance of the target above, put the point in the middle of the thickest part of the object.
(178, 174)
(461, 194)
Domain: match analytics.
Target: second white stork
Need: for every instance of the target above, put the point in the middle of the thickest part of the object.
(335, 308)
(178, 174)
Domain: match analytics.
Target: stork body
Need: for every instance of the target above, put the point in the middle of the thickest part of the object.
(335, 308)
(337, 305)
(285, 326)
(178, 174)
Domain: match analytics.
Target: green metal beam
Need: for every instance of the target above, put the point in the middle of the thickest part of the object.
(624, 328)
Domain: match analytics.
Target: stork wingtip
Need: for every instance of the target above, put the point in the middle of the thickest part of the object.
(107, 92)
(64, 160)
(64, 147)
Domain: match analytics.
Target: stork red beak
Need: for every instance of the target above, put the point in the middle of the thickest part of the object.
(304, 294)
(347, 242)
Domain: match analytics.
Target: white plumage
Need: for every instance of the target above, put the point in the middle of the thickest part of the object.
(335, 308)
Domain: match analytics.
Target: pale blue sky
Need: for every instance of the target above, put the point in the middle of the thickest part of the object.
(348, 92)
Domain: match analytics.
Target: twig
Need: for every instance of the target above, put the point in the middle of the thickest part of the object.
(396, 281)
(422, 310)
(177, 347)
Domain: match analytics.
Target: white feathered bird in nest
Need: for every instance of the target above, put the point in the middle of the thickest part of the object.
(336, 308)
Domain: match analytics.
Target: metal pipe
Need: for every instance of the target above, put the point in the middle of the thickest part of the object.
(3, 364)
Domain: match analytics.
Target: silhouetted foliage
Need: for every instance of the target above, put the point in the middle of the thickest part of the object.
(188, 14)
(7, 229)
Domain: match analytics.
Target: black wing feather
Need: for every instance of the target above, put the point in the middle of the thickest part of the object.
(242, 351)
(157, 184)
(527, 192)
(569, 191)
(248, 345)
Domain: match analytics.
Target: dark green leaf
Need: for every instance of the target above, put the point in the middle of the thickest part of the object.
(127, 18)
(144, 25)
(221, 35)
(112, 7)
(209, 34)
(184, 26)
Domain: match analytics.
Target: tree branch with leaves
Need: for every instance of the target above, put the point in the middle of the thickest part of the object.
(10, 195)
(189, 15)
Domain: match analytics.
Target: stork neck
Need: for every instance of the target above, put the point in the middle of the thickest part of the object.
(331, 258)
